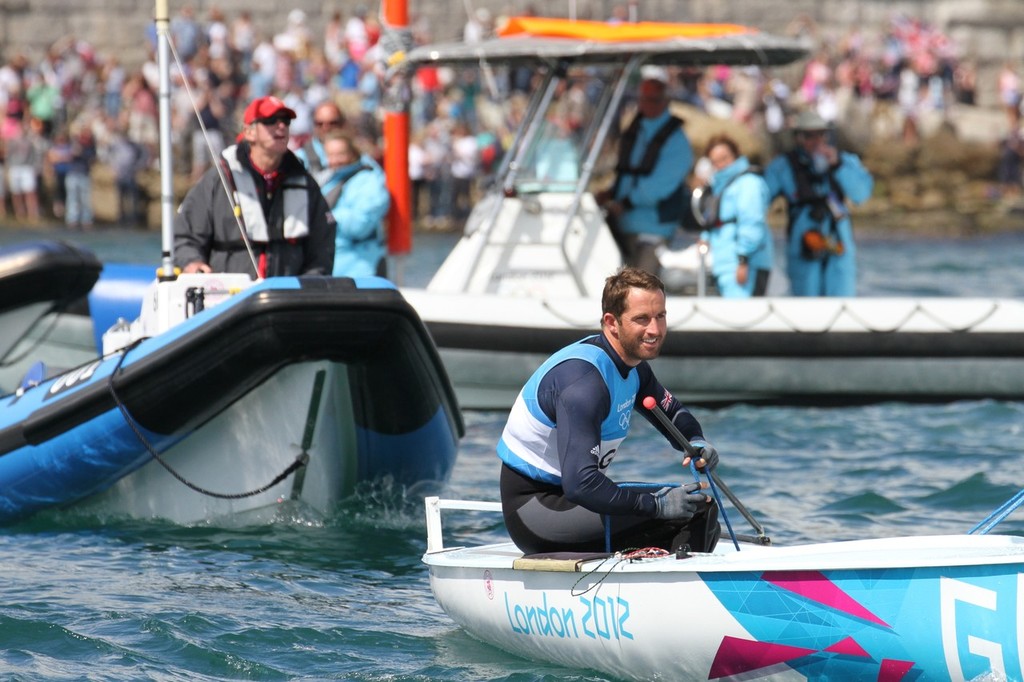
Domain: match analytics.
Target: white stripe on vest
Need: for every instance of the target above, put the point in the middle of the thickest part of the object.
(296, 202)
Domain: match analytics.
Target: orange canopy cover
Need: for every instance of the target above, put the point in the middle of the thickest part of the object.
(614, 33)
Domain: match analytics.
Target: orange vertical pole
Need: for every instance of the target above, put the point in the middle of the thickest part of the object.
(396, 140)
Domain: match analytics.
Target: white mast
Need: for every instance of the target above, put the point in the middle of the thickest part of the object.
(166, 172)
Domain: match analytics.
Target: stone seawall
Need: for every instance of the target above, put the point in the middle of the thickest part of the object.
(988, 31)
(949, 176)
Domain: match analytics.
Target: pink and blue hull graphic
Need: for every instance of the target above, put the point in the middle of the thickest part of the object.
(925, 623)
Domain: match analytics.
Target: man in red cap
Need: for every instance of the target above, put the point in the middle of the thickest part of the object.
(268, 194)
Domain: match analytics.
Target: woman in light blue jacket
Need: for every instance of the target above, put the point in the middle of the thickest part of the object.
(735, 221)
(356, 190)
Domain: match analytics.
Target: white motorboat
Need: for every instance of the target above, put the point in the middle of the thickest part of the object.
(526, 276)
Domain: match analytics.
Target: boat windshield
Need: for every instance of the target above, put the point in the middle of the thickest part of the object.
(553, 161)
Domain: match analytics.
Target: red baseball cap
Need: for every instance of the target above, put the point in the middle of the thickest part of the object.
(265, 107)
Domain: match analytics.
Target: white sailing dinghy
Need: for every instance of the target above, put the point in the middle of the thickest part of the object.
(947, 607)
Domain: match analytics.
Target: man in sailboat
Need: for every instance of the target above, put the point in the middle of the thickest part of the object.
(269, 195)
(567, 424)
(655, 156)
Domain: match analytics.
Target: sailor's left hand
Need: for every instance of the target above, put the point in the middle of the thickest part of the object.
(708, 455)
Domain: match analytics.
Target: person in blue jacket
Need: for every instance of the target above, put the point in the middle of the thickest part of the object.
(356, 190)
(817, 181)
(568, 423)
(735, 220)
(644, 203)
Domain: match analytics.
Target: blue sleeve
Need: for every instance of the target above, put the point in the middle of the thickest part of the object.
(573, 394)
(779, 178)
(750, 202)
(362, 205)
(854, 178)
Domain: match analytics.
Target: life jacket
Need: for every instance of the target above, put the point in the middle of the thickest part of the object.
(295, 192)
(807, 193)
(821, 242)
(705, 208)
(670, 208)
(650, 157)
(529, 442)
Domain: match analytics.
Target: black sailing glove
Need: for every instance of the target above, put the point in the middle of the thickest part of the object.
(679, 503)
(707, 452)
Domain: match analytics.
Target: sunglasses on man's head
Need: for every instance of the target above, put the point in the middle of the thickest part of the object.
(272, 121)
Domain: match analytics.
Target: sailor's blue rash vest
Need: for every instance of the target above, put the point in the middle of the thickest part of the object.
(528, 444)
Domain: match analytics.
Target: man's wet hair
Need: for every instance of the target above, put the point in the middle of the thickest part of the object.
(617, 286)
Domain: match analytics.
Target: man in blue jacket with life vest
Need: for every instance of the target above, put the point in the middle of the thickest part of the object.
(644, 203)
(817, 180)
(569, 421)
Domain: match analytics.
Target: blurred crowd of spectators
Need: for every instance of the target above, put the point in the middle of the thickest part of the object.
(77, 107)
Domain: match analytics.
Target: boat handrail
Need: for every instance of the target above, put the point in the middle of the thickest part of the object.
(607, 118)
(552, 78)
(433, 506)
(511, 164)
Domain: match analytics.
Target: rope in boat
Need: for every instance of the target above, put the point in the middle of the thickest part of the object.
(626, 555)
(9, 361)
(718, 499)
(300, 461)
(215, 159)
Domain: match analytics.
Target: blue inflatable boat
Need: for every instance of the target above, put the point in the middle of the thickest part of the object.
(286, 390)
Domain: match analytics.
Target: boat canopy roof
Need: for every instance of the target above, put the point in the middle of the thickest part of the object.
(524, 40)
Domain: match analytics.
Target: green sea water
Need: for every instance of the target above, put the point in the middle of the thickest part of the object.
(346, 598)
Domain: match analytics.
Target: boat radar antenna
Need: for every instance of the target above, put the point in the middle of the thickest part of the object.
(165, 51)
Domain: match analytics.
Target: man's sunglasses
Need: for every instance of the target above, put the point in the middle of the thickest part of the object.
(272, 121)
(330, 122)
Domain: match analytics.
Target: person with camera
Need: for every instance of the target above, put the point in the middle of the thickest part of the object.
(817, 180)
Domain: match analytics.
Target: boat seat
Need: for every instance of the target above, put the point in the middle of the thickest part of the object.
(564, 562)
